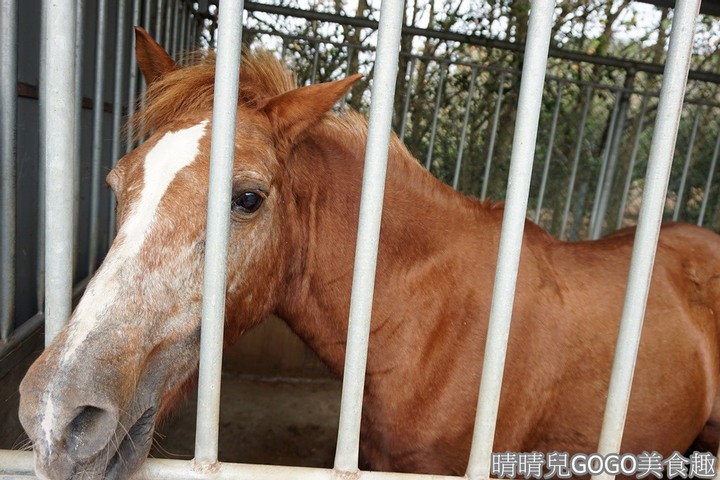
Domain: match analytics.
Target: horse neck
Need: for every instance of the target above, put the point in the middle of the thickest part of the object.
(420, 216)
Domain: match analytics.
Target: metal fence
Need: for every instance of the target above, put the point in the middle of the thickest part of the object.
(60, 153)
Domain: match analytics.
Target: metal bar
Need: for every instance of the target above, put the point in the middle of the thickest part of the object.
(77, 147)
(59, 157)
(576, 159)
(42, 80)
(117, 100)
(8, 173)
(468, 106)
(613, 148)
(648, 229)
(604, 166)
(368, 236)
(222, 151)
(158, 20)
(686, 166)
(548, 155)
(408, 90)
(183, 30)
(493, 135)
(708, 184)
(631, 166)
(523, 151)
(132, 79)
(97, 145)
(167, 25)
(20, 464)
(176, 15)
(438, 101)
(316, 56)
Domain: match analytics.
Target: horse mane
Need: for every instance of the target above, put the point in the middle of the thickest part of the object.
(191, 88)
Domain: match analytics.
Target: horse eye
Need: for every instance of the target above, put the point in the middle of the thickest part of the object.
(247, 202)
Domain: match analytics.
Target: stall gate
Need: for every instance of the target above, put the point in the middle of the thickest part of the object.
(176, 23)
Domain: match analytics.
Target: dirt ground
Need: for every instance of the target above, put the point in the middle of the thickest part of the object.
(264, 420)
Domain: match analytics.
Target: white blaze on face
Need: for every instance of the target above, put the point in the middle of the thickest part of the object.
(173, 152)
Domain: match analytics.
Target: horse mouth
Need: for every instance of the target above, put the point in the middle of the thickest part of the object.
(133, 448)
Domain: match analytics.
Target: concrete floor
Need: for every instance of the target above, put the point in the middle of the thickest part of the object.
(263, 420)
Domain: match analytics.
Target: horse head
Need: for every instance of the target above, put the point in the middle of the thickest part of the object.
(91, 401)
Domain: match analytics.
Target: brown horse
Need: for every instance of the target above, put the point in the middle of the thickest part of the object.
(91, 401)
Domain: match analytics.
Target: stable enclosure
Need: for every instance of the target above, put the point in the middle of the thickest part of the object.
(611, 149)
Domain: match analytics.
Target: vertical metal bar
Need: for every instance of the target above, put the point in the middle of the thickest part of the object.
(576, 159)
(183, 30)
(613, 147)
(168, 26)
(548, 155)
(176, 15)
(371, 202)
(463, 134)
(708, 183)
(408, 90)
(8, 143)
(42, 80)
(59, 95)
(631, 166)
(158, 20)
(117, 100)
(132, 79)
(98, 106)
(604, 166)
(648, 229)
(493, 135)
(523, 151)
(436, 111)
(222, 152)
(77, 147)
(316, 56)
(686, 166)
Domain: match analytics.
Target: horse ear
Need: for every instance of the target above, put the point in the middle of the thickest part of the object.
(153, 60)
(291, 113)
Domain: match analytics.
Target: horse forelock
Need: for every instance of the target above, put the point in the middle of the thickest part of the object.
(190, 90)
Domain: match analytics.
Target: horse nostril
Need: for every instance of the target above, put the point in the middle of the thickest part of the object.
(90, 431)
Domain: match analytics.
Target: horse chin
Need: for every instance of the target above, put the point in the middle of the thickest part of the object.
(117, 461)
(133, 449)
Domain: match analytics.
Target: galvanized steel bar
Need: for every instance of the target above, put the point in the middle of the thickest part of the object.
(183, 30)
(463, 134)
(371, 202)
(708, 183)
(648, 229)
(603, 168)
(20, 464)
(408, 90)
(8, 177)
(97, 144)
(117, 100)
(77, 146)
(316, 56)
(176, 14)
(59, 101)
(548, 155)
(42, 76)
(132, 79)
(222, 153)
(686, 165)
(631, 165)
(613, 148)
(576, 159)
(158, 20)
(438, 101)
(523, 151)
(493, 135)
(168, 26)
